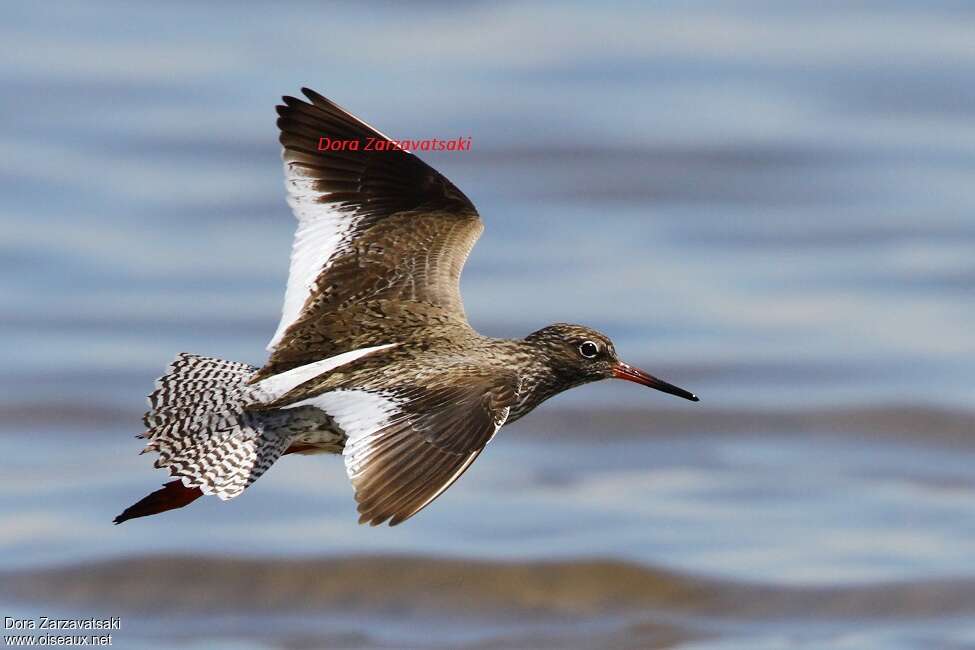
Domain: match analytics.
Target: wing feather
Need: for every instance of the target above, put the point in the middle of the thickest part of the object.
(407, 444)
(375, 228)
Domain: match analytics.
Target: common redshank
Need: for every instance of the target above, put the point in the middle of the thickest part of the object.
(374, 357)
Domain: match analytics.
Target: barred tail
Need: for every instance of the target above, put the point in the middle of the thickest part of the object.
(199, 427)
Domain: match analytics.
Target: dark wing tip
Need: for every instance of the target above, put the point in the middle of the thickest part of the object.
(370, 518)
(318, 99)
(291, 104)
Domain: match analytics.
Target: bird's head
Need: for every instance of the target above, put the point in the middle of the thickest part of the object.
(579, 355)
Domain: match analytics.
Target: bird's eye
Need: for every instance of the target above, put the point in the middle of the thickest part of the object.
(589, 349)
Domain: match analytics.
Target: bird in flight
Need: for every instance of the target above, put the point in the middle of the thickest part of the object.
(374, 358)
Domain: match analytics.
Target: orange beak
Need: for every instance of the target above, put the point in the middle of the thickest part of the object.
(629, 373)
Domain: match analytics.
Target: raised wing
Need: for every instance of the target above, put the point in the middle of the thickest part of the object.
(381, 241)
(407, 444)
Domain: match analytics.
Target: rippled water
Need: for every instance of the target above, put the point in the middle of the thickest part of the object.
(770, 203)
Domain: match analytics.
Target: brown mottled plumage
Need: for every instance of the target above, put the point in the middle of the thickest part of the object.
(374, 357)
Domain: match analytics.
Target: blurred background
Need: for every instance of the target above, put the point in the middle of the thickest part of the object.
(769, 203)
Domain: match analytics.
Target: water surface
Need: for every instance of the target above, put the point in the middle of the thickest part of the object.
(770, 203)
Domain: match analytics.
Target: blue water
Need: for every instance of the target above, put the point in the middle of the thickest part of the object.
(768, 202)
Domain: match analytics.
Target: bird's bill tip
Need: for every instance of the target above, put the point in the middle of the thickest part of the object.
(629, 373)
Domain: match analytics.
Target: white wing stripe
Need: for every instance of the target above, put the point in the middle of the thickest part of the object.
(277, 385)
(321, 231)
(360, 414)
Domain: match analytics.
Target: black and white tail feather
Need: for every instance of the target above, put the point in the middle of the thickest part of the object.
(199, 427)
(211, 430)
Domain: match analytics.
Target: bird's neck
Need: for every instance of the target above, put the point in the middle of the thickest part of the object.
(540, 377)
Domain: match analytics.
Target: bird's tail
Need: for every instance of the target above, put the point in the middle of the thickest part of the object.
(198, 424)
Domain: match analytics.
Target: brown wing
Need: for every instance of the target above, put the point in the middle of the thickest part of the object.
(408, 443)
(381, 241)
